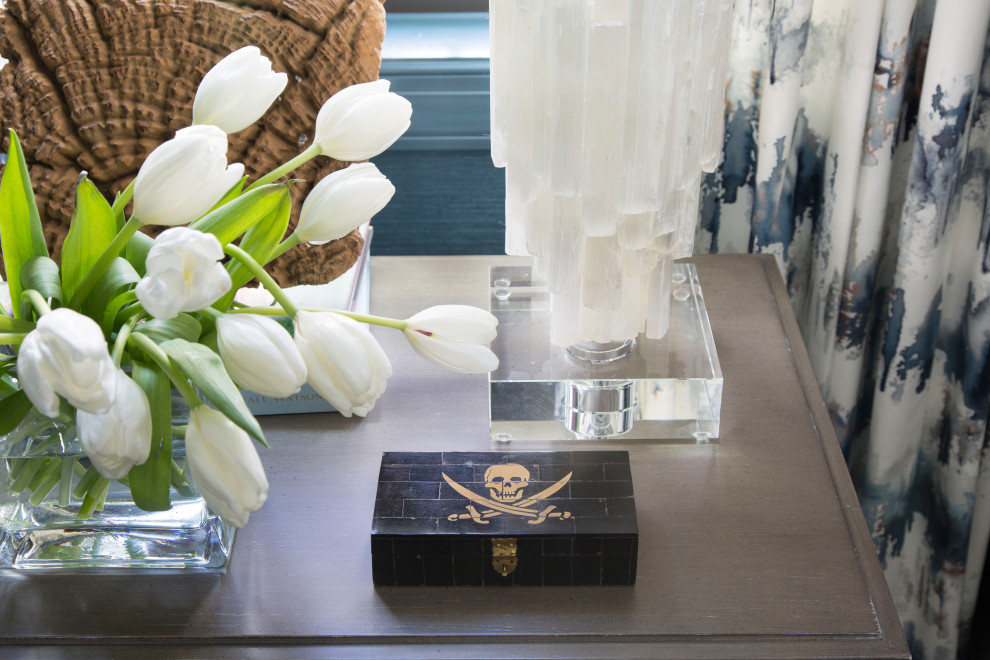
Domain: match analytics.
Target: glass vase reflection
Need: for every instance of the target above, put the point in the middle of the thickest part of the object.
(40, 527)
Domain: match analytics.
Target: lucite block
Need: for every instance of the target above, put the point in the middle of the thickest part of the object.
(664, 389)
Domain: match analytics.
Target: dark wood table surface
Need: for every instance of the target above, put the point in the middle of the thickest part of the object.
(752, 547)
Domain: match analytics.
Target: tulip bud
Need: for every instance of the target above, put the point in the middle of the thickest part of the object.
(361, 121)
(455, 337)
(183, 273)
(259, 354)
(184, 177)
(345, 363)
(237, 91)
(342, 201)
(66, 354)
(119, 438)
(225, 466)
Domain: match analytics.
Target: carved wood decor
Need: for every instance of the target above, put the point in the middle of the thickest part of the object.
(95, 85)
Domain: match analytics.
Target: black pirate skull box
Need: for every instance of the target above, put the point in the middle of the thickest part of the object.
(499, 518)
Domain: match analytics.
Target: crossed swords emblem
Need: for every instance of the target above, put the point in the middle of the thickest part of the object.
(520, 508)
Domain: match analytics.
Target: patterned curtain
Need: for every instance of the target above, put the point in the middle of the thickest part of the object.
(857, 152)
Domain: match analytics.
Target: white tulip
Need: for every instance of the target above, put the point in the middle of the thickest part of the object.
(184, 273)
(225, 466)
(184, 177)
(119, 438)
(455, 337)
(361, 121)
(259, 354)
(66, 354)
(345, 363)
(342, 201)
(237, 91)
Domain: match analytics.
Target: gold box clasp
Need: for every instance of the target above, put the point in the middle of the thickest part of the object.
(504, 559)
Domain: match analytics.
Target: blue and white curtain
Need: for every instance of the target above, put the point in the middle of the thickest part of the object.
(857, 152)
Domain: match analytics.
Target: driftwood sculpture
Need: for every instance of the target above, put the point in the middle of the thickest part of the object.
(95, 85)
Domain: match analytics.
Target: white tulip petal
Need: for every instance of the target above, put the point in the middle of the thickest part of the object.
(38, 390)
(361, 121)
(184, 177)
(463, 358)
(345, 363)
(182, 273)
(225, 466)
(259, 355)
(342, 201)
(66, 354)
(120, 438)
(463, 324)
(237, 91)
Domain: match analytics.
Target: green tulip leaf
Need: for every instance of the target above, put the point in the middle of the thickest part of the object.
(6, 386)
(231, 194)
(41, 274)
(149, 482)
(13, 408)
(118, 277)
(21, 235)
(205, 369)
(9, 324)
(229, 221)
(259, 241)
(136, 251)
(113, 309)
(120, 201)
(90, 233)
(183, 326)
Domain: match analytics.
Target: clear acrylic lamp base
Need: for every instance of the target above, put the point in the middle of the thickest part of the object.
(655, 390)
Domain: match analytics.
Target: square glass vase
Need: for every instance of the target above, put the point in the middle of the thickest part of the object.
(47, 533)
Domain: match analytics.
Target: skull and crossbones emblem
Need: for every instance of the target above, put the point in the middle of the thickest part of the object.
(505, 484)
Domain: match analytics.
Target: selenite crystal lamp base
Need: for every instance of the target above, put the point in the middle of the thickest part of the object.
(660, 390)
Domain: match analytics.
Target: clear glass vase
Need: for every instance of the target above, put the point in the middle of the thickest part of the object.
(40, 530)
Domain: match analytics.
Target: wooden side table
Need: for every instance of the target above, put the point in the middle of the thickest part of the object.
(751, 547)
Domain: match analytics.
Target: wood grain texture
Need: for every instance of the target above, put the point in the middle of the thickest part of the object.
(752, 547)
(95, 85)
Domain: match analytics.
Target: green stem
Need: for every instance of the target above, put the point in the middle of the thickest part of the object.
(262, 275)
(52, 476)
(37, 301)
(398, 324)
(162, 360)
(11, 338)
(86, 482)
(212, 312)
(94, 498)
(283, 247)
(120, 343)
(112, 252)
(309, 154)
(179, 481)
(29, 467)
(65, 482)
(123, 198)
(49, 467)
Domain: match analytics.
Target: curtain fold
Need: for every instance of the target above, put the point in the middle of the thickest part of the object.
(857, 152)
